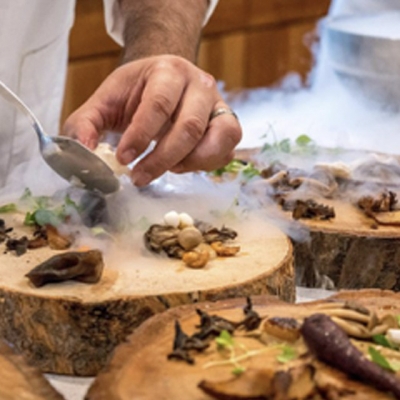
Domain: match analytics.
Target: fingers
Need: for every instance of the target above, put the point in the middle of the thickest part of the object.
(110, 107)
(182, 138)
(84, 127)
(162, 93)
(216, 147)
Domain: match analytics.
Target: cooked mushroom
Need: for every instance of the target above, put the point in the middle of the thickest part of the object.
(313, 185)
(282, 328)
(20, 245)
(356, 320)
(258, 384)
(189, 237)
(218, 235)
(310, 209)
(84, 267)
(158, 237)
(184, 343)
(55, 240)
(252, 384)
(4, 231)
(196, 259)
(224, 250)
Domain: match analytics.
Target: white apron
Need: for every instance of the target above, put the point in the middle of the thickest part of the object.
(33, 61)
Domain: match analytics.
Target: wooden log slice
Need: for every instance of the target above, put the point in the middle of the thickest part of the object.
(139, 368)
(72, 327)
(20, 381)
(349, 251)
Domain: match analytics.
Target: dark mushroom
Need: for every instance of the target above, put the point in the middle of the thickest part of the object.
(310, 209)
(84, 267)
(20, 245)
(183, 343)
(251, 320)
(213, 325)
(4, 231)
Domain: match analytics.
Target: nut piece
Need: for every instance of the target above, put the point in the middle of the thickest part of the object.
(194, 259)
(190, 237)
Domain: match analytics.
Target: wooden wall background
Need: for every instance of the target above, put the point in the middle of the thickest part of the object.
(247, 43)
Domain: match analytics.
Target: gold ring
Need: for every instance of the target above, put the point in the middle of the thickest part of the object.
(222, 111)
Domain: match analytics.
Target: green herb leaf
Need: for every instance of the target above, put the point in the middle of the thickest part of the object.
(70, 203)
(288, 354)
(250, 171)
(224, 339)
(10, 207)
(46, 217)
(378, 358)
(238, 370)
(383, 341)
(303, 140)
(29, 219)
(234, 167)
(26, 195)
(285, 146)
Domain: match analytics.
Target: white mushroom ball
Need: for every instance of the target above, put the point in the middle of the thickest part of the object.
(185, 220)
(393, 336)
(171, 218)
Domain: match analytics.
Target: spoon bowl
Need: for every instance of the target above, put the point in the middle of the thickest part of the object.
(67, 157)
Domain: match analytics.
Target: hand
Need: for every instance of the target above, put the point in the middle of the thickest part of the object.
(165, 99)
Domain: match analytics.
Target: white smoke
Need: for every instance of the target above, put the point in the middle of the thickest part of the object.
(328, 111)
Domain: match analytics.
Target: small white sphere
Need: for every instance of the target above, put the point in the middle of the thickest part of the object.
(393, 336)
(185, 220)
(171, 218)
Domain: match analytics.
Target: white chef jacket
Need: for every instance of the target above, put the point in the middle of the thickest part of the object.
(34, 50)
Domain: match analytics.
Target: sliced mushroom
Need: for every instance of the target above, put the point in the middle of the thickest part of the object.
(352, 328)
(224, 250)
(252, 384)
(282, 328)
(56, 240)
(348, 315)
(390, 320)
(314, 185)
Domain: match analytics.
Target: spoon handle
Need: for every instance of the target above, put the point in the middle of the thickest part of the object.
(12, 98)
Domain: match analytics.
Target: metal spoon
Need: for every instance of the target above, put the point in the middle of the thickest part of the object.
(70, 159)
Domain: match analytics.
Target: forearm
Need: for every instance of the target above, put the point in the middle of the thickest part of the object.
(154, 27)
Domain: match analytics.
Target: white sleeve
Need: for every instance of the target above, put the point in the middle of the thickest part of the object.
(211, 8)
(115, 22)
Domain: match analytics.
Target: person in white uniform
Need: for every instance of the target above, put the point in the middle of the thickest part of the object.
(157, 94)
